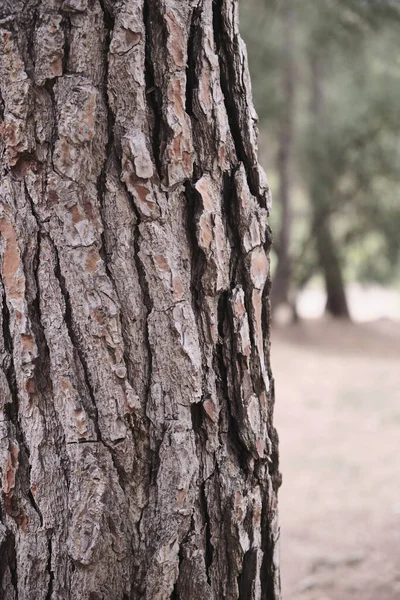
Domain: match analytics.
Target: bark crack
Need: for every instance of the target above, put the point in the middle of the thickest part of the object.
(192, 49)
(227, 49)
(153, 93)
(66, 26)
(83, 442)
(51, 572)
(9, 558)
(222, 349)
(209, 552)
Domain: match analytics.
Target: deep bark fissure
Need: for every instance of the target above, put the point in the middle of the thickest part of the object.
(66, 25)
(193, 47)
(209, 550)
(273, 467)
(197, 413)
(51, 573)
(1, 108)
(223, 348)
(153, 94)
(246, 576)
(9, 558)
(109, 22)
(227, 81)
(9, 369)
(31, 20)
(49, 87)
(175, 592)
(225, 69)
(230, 201)
(84, 442)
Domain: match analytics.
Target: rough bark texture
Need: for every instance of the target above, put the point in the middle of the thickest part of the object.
(137, 453)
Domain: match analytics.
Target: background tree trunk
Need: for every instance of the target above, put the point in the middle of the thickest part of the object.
(138, 456)
(328, 255)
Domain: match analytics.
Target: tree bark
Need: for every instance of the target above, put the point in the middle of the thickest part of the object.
(282, 279)
(137, 452)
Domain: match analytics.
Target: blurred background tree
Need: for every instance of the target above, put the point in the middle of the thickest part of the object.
(326, 82)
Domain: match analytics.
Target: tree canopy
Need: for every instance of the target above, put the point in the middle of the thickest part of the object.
(345, 156)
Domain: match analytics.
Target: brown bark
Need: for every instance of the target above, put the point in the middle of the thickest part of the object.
(137, 452)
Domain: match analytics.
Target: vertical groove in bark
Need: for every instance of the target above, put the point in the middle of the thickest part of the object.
(227, 77)
(51, 578)
(138, 456)
(236, 89)
(8, 363)
(192, 51)
(153, 96)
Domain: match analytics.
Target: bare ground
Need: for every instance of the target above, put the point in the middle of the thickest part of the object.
(338, 416)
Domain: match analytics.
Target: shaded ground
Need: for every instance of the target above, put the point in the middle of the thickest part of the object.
(338, 416)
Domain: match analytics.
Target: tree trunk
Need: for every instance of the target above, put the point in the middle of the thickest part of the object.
(138, 456)
(336, 302)
(281, 283)
(320, 188)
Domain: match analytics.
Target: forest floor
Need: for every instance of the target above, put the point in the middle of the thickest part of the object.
(338, 417)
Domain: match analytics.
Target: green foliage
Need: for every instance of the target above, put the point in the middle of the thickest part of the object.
(345, 158)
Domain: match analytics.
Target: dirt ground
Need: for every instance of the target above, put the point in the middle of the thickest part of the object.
(338, 416)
